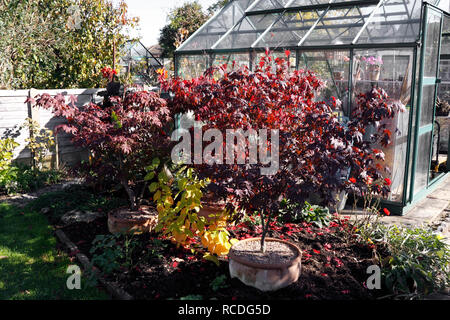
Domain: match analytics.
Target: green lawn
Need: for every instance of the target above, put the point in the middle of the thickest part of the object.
(30, 266)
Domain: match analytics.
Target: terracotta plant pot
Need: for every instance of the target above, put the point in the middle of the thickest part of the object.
(374, 72)
(124, 220)
(210, 210)
(267, 275)
(211, 207)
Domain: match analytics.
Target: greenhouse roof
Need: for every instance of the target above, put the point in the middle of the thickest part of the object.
(276, 24)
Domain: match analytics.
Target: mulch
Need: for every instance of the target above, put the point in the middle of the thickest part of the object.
(332, 268)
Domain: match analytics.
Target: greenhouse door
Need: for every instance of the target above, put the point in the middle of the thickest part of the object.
(428, 83)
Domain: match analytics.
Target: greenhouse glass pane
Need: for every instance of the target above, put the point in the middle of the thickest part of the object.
(247, 31)
(333, 68)
(432, 44)
(423, 162)
(269, 4)
(427, 109)
(192, 66)
(299, 3)
(391, 70)
(445, 44)
(216, 28)
(239, 59)
(394, 21)
(290, 29)
(339, 26)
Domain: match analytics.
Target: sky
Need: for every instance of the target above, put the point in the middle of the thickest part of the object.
(153, 16)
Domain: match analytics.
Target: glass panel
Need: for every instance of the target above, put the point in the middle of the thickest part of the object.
(423, 162)
(247, 31)
(391, 70)
(339, 26)
(299, 3)
(333, 68)
(432, 44)
(192, 66)
(442, 125)
(290, 29)
(216, 28)
(269, 4)
(394, 21)
(239, 59)
(445, 42)
(427, 109)
(444, 86)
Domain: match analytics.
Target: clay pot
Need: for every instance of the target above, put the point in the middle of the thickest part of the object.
(210, 210)
(265, 276)
(124, 220)
(211, 207)
(374, 72)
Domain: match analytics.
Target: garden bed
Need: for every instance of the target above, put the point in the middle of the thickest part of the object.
(331, 268)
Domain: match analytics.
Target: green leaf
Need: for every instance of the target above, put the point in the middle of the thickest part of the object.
(211, 258)
(149, 176)
(153, 186)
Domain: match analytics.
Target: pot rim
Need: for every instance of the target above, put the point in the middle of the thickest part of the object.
(295, 260)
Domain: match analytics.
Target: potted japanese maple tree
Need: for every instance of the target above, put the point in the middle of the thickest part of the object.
(309, 148)
(123, 137)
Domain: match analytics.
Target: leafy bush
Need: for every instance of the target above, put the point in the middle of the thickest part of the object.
(39, 142)
(123, 136)
(418, 257)
(7, 172)
(106, 252)
(417, 261)
(178, 198)
(318, 215)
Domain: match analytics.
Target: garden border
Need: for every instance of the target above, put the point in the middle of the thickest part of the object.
(112, 288)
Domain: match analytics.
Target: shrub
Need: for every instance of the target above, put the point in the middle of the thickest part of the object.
(39, 142)
(178, 198)
(318, 215)
(123, 136)
(417, 261)
(315, 149)
(7, 171)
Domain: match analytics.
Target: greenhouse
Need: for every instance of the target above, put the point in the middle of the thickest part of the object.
(401, 46)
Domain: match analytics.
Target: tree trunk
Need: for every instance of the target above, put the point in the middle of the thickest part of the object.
(131, 195)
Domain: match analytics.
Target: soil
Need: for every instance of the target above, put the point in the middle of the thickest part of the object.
(144, 213)
(331, 267)
(276, 252)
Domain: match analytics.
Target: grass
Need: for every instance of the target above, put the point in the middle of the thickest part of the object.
(30, 265)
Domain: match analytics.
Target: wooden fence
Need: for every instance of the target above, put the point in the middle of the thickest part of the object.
(14, 110)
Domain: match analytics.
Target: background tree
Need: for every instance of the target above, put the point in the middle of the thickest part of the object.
(59, 43)
(219, 4)
(183, 21)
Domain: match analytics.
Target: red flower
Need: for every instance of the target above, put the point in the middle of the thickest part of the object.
(175, 264)
(387, 181)
(288, 53)
(386, 212)
(352, 180)
(316, 251)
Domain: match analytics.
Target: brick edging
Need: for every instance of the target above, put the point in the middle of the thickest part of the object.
(112, 288)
